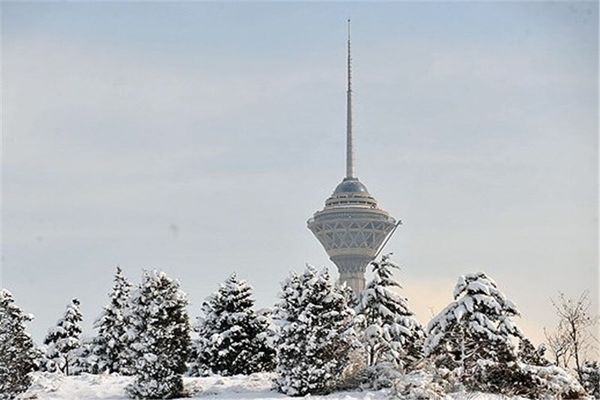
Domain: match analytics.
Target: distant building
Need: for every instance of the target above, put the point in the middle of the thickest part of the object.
(351, 227)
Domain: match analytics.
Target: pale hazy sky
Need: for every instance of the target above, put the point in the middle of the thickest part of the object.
(198, 138)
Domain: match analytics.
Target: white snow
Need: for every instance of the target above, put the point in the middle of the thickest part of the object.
(54, 386)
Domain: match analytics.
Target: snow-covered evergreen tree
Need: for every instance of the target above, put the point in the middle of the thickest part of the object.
(85, 359)
(160, 333)
(233, 338)
(390, 332)
(528, 354)
(18, 355)
(62, 341)
(315, 336)
(477, 325)
(590, 378)
(111, 342)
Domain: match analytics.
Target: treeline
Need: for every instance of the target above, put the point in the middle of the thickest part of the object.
(317, 339)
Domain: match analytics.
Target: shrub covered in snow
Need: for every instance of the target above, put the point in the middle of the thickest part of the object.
(590, 376)
(17, 353)
(556, 382)
(111, 342)
(233, 338)
(389, 330)
(518, 379)
(315, 337)
(382, 375)
(502, 378)
(426, 384)
(477, 325)
(62, 341)
(354, 375)
(159, 331)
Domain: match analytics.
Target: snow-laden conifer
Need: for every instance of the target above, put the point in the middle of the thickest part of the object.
(111, 343)
(315, 336)
(477, 325)
(18, 355)
(590, 378)
(85, 359)
(62, 341)
(233, 338)
(390, 333)
(159, 331)
(528, 354)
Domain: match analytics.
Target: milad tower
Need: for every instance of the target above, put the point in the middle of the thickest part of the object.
(351, 227)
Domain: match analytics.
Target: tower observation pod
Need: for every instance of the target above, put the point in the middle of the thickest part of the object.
(351, 227)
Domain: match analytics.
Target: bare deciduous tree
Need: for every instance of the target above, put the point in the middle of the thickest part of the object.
(573, 339)
(559, 346)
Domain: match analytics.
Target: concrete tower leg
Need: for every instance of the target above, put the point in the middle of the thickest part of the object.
(352, 270)
(355, 280)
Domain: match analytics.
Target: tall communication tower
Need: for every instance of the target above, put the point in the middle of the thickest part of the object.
(351, 227)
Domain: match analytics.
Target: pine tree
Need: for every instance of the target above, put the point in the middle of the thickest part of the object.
(160, 333)
(63, 340)
(18, 355)
(590, 378)
(315, 336)
(476, 326)
(112, 340)
(84, 358)
(530, 355)
(233, 339)
(390, 333)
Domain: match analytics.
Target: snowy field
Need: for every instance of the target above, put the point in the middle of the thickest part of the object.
(48, 386)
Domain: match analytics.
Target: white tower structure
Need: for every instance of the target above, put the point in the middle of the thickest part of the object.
(351, 227)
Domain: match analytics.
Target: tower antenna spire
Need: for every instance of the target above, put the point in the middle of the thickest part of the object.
(349, 139)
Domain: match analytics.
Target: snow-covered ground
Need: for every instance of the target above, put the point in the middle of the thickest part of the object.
(48, 386)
